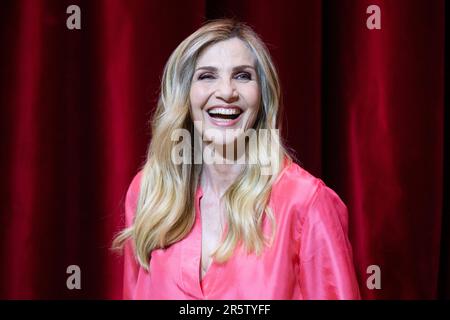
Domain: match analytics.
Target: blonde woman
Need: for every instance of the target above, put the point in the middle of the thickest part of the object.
(218, 213)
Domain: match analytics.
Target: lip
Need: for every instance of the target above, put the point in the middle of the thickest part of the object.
(225, 123)
(225, 107)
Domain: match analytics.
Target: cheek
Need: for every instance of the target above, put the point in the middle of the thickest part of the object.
(253, 98)
(198, 96)
(195, 103)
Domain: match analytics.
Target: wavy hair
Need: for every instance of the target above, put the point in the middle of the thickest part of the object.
(165, 210)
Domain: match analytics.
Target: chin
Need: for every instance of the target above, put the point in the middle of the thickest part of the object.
(222, 136)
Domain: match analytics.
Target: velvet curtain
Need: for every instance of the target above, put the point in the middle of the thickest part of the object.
(364, 111)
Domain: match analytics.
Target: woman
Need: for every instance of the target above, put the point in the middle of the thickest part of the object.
(258, 228)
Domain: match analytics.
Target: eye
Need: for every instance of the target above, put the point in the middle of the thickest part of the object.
(205, 76)
(244, 76)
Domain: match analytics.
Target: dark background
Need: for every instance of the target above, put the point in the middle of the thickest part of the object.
(364, 111)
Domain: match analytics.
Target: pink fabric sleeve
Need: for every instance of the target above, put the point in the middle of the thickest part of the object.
(131, 266)
(326, 260)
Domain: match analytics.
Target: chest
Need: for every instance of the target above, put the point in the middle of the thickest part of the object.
(212, 221)
(175, 271)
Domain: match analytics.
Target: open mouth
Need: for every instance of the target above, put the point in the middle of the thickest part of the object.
(225, 113)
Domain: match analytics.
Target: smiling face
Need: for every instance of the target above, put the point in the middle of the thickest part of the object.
(225, 92)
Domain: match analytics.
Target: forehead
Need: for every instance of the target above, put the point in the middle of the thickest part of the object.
(229, 52)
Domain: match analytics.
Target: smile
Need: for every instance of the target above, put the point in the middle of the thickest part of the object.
(222, 116)
(225, 113)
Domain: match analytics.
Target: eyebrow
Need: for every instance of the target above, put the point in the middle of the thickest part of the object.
(211, 68)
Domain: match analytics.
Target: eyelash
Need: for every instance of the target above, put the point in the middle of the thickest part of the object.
(209, 76)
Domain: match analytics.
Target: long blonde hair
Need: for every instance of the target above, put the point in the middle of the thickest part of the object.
(165, 210)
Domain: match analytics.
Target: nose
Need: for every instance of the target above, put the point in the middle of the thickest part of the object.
(226, 90)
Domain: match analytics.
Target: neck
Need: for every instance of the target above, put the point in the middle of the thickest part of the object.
(218, 177)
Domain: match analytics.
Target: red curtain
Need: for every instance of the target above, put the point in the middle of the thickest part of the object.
(364, 111)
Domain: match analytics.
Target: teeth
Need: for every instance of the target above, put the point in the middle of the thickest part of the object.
(225, 111)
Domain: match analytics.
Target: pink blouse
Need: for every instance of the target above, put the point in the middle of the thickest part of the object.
(311, 257)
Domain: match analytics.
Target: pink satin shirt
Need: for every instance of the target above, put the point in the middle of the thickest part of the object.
(310, 258)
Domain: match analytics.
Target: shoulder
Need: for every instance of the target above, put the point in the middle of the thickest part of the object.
(132, 197)
(295, 182)
(305, 192)
(135, 184)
